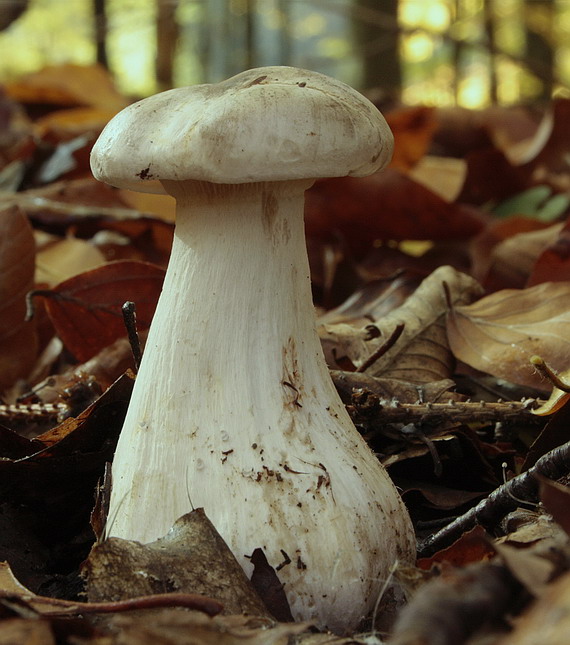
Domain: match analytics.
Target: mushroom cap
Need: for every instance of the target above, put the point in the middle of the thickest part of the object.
(265, 124)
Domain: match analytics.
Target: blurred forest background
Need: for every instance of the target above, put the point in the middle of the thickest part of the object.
(471, 53)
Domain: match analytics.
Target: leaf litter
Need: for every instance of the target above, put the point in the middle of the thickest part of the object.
(428, 345)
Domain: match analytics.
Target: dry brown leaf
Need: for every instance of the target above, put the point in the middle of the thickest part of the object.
(171, 627)
(413, 335)
(531, 565)
(62, 259)
(14, 631)
(63, 125)
(413, 129)
(513, 259)
(547, 622)
(68, 85)
(501, 332)
(445, 176)
(553, 263)
(191, 558)
(18, 341)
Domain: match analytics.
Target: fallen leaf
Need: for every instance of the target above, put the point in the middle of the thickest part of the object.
(537, 202)
(556, 500)
(554, 434)
(171, 627)
(86, 309)
(512, 261)
(387, 205)
(413, 129)
(63, 125)
(18, 340)
(411, 339)
(68, 85)
(451, 608)
(491, 177)
(546, 155)
(445, 176)
(483, 247)
(473, 546)
(373, 301)
(61, 259)
(557, 399)
(553, 261)
(191, 558)
(499, 333)
(547, 621)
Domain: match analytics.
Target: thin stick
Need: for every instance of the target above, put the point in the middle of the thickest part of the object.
(130, 319)
(549, 374)
(489, 511)
(57, 606)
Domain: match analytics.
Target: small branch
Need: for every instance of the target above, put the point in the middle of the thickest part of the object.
(130, 320)
(58, 607)
(452, 412)
(549, 374)
(502, 500)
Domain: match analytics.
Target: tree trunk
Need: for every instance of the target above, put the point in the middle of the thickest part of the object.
(376, 35)
(166, 40)
(100, 21)
(539, 54)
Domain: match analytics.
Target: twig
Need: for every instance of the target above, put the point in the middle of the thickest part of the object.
(59, 607)
(130, 320)
(489, 511)
(391, 411)
(549, 374)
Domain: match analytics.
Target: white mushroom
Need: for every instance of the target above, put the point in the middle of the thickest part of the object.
(233, 408)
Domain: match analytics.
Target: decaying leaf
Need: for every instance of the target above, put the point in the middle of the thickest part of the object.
(556, 499)
(12, 590)
(86, 309)
(387, 205)
(511, 261)
(58, 260)
(499, 333)
(18, 341)
(191, 558)
(413, 129)
(68, 85)
(445, 176)
(547, 621)
(553, 263)
(451, 608)
(183, 628)
(419, 353)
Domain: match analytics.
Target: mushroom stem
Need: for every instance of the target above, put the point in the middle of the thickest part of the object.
(240, 249)
(238, 414)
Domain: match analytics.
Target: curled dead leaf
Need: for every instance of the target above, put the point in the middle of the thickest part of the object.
(420, 353)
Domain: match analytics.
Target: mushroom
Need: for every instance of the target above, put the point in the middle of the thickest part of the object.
(233, 408)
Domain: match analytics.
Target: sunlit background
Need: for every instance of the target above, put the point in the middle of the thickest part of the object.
(439, 52)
